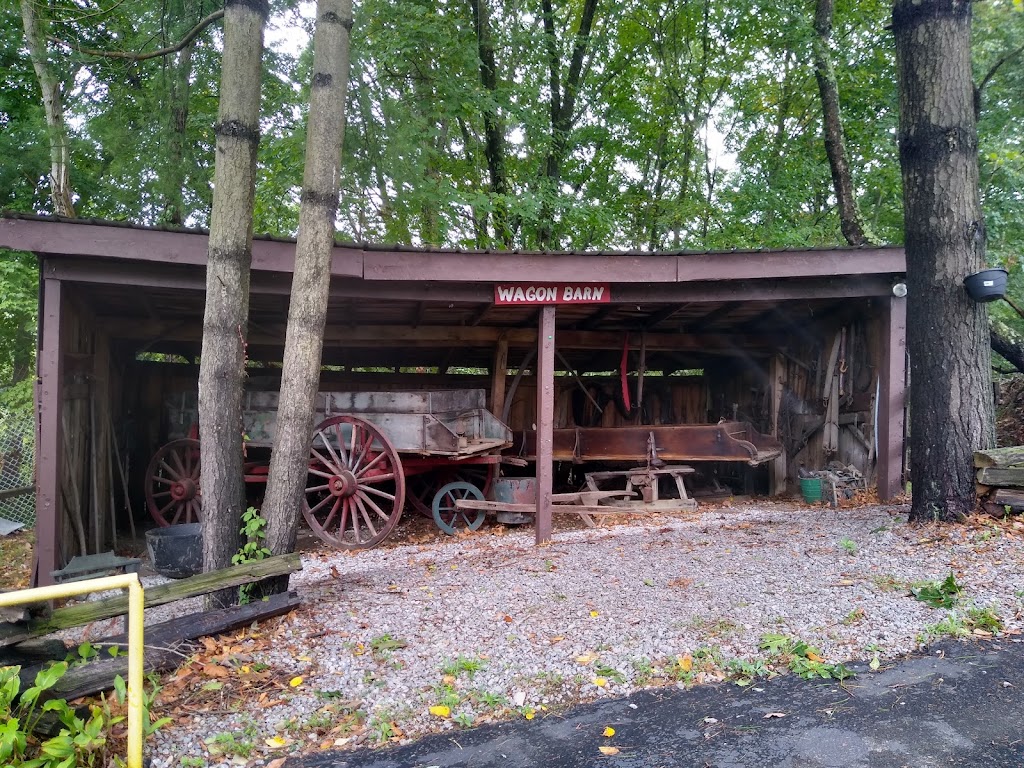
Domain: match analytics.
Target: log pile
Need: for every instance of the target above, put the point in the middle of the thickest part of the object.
(1000, 480)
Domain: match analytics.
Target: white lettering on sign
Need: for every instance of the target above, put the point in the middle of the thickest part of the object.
(558, 293)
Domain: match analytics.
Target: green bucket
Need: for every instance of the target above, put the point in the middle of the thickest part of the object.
(810, 487)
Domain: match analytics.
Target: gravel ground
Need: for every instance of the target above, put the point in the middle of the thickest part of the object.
(493, 627)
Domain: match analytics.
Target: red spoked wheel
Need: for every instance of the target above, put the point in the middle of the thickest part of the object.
(355, 488)
(172, 483)
(423, 487)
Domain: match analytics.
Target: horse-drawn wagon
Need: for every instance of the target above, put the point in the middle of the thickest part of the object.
(369, 454)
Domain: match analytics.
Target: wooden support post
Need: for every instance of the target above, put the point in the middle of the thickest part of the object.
(545, 421)
(777, 377)
(892, 399)
(49, 448)
(498, 374)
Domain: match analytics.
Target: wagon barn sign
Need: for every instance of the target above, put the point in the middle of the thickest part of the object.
(552, 293)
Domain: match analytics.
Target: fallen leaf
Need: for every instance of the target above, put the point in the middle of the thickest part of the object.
(529, 714)
(557, 639)
(507, 619)
(814, 657)
(773, 714)
(594, 614)
(277, 762)
(440, 710)
(686, 662)
(600, 682)
(875, 663)
(586, 658)
(609, 750)
(448, 680)
(335, 572)
(276, 742)
(608, 732)
(295, 682)
(214, 670)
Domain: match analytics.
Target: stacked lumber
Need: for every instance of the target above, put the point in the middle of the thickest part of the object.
(1000, 480)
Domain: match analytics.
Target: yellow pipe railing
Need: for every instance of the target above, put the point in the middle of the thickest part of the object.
(136, 605)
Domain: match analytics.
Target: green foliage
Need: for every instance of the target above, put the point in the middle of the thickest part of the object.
(462, 665)
(938, 594)
(82, 739)
(802, 659)
(253, 532)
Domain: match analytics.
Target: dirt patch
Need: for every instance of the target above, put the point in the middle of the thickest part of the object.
(16, 555)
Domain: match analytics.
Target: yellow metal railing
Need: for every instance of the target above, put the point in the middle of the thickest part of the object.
(135, 639)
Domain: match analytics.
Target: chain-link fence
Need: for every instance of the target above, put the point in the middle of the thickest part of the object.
(17, 455)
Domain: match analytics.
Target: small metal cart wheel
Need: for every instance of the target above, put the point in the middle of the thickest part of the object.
(448, 517)
(172, 483)
(355, 488)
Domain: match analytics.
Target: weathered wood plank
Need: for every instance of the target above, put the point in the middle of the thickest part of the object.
(163, 645)
(1001, 476)
(1009, 497)
(236, 575)
(1000, 457)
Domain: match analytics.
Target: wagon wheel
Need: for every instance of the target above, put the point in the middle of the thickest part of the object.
(448, 517)
(355, 488)
(423, 487)
(172, 483)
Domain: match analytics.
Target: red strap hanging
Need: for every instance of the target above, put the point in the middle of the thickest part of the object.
(622, 374)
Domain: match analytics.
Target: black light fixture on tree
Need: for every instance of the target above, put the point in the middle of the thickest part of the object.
(986, 285)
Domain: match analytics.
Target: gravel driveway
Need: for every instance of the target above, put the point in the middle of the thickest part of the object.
(489, 626)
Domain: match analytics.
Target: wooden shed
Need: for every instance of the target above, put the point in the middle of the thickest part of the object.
(806, 345)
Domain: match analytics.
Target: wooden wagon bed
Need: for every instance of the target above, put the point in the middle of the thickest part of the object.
(724, 441)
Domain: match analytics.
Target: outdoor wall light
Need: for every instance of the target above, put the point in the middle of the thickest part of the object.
(899, 290)
(986, 285)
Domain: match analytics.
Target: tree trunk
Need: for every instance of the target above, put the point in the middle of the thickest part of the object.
(850, 220)
(222, 367)
(307, 313)
(174, 175)
(494, 131)
(60, 152)
(951, 380)
(1010, 350)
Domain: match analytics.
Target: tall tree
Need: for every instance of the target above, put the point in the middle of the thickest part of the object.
(53, 105)
(850, 220)
(951, 400)
(307, 311)
(225, 322)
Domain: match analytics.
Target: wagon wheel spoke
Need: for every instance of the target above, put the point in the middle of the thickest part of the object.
(424, 486)
(448, 516)
(355, 487)
(172, 483)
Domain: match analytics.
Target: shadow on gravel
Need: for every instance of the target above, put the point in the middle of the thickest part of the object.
(959, 704)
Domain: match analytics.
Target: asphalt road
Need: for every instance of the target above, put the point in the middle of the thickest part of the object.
(955, 704)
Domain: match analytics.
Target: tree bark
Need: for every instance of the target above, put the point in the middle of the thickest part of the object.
(1010, 350)
(850, 220)
(307, 312)
(951, 383)
(174, 175)
(494, 131)
(222, 367)
(60, 152)
(562, 108)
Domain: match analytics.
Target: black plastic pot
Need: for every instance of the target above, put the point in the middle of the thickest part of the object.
(176, 551)
(986, 285)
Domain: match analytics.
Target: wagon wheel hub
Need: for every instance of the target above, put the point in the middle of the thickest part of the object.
(183, 490)
(343, 484)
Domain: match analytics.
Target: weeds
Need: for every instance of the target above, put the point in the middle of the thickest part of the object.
(802, 659)
(938, 594)
(849, 546)
(462, 665)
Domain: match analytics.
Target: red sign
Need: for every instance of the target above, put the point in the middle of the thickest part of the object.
(552, 293)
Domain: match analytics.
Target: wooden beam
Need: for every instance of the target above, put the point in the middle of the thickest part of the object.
(445, 336)
(49, 441)
(892, 399)
(83, 613)
(777, 380)
(479, 314)
(714, 316)
(545, 422)
(499, 373)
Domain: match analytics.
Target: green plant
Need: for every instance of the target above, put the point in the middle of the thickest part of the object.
(462, 665)
(951, 626)
(745, 671)
(849, 546)
(381, 727)
(609, 673)
(226, 744)
(802, 659)
(644, 670)
(82, 740)
(854, 616)
(937, 594)
(382, 647)
(886, 582)
(192, 762)
(464, 719)
(253, 530)
(984, 618)
(489, 699)
(446, 695)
